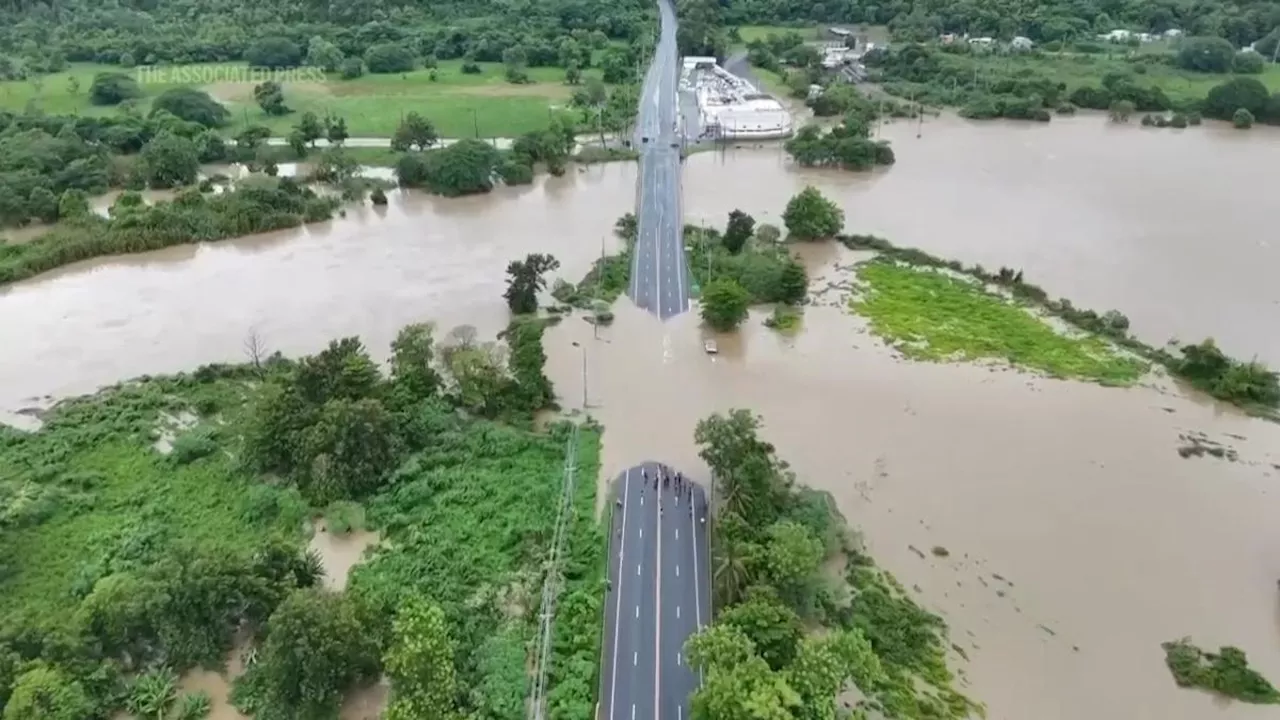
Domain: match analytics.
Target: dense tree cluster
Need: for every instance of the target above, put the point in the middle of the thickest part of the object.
(382, 37)
(144, 605)
(473, 166)
(847, 146)
(769, 543)
(1239, 21)
(194, 216)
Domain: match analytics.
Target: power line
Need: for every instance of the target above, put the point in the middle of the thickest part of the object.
(551, 584)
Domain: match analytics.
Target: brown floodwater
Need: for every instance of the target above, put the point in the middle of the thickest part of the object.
(1079, 539)
(1107, 541)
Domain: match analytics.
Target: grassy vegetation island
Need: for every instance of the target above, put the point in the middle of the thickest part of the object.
(929, 314)
(790, 635)
(916, 282)
(1226, 672)
(124, 566)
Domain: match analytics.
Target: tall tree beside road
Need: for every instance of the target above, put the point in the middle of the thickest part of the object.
(810, 216)
(725, 304)
(525, 280)
(414, 131)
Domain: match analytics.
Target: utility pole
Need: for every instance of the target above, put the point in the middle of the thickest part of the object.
(595, 324)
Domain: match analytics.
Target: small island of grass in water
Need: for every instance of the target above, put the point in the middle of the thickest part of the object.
(1225, 672)
(931, 315)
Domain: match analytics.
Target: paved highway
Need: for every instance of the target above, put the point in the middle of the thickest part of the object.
(659, 273)
(659, 595)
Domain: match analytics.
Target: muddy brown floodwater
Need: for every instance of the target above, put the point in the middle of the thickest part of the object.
(1078, 539)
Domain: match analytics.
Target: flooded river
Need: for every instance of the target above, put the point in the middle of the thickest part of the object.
(1105, 542)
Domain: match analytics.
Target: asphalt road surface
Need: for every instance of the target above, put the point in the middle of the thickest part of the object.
(659, 595)
(660, 274)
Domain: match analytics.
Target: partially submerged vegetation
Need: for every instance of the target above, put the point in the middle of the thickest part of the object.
(1251, 385)
(930, 315)
(1225, 672)
(124, 566)
(194, 216)
(771, 543)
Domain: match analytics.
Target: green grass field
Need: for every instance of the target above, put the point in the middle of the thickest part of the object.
(760, 32)
(1077, 69)
(458, 104)
(929, 315)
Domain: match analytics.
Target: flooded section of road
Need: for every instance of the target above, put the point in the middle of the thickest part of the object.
(1078, 539)
(1171, 227)
(377, 269)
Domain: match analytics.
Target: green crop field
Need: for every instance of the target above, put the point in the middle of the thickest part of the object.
(459, 104)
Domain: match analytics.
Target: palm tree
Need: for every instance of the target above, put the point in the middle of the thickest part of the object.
(730, 575)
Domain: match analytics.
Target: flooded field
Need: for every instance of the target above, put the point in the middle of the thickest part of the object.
(1078, 538)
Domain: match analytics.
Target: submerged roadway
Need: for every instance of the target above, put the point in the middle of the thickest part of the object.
(659, 595)
(660, 273)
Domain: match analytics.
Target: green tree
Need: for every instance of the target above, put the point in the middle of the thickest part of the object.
(43, 204)
(792, 556)
(822, 668)
(310, 127)
(414, 131)
(45, 693)
(112, 88)
(351, 448)
(170, 161)
(738, 232)
(318, 645)
(1224, 99)
(1121, 110)
(351, 68)
(73, 203)
(515, 60)
(388, 58)
(725, 303)
(772, 627)
(793, 282)
(191, 105)
(270, 97)
(738, 684)
(1242, 119)
(413, 361)
(572, 74)
(420, 664)
(810, 216)
(1205, 54)
(275, 53)
(768, 234)
(298, 142)
(335, 130)
(323, 54)
(1248, 63)
(525, 279)
(463, 168)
